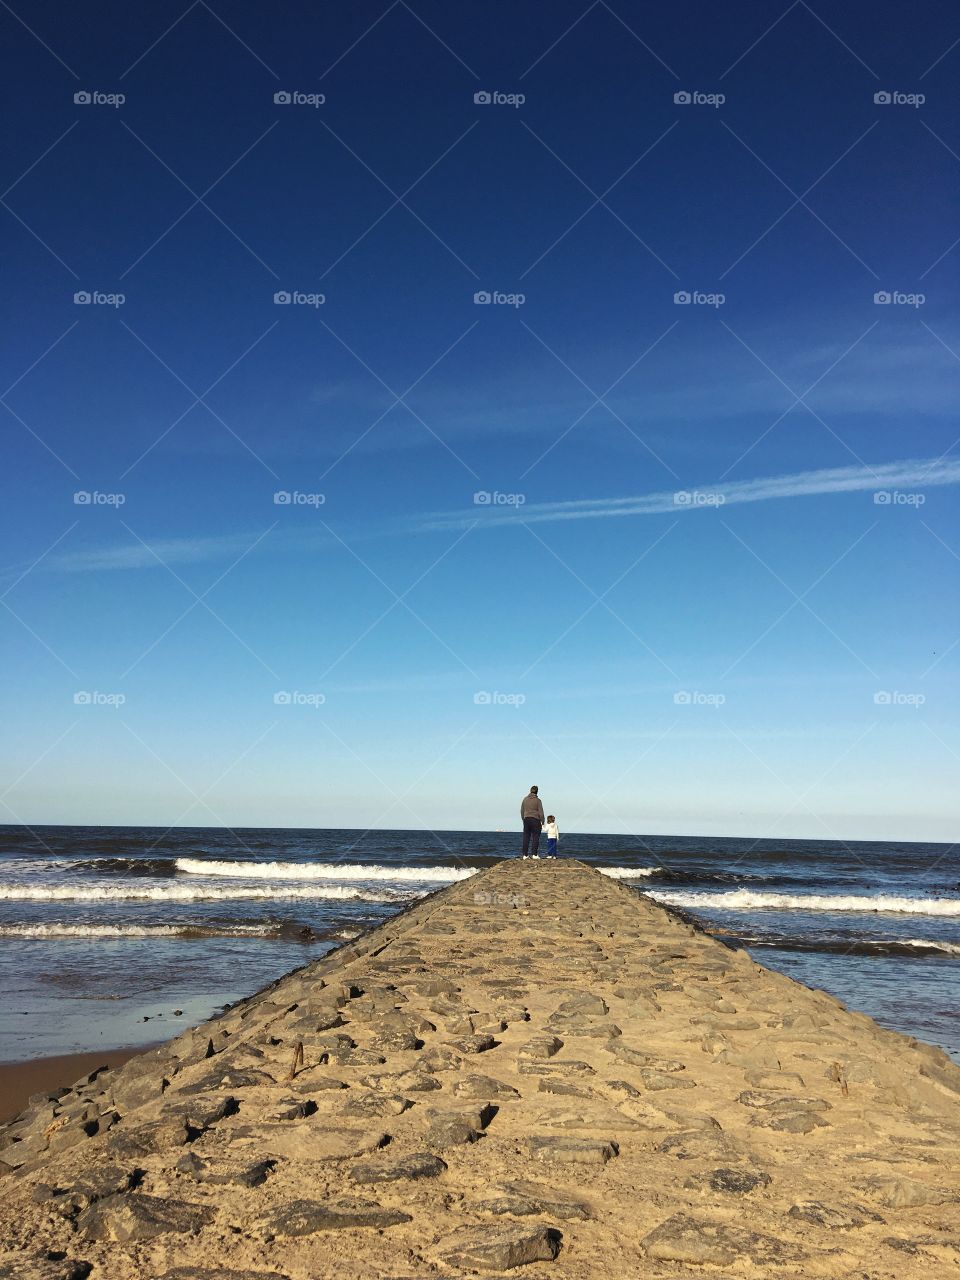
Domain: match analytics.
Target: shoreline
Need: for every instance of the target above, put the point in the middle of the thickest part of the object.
(20, 1080)
(485, 1080)
(897, 964)
(21, 1077)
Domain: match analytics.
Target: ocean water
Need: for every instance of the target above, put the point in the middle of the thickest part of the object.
(115, 936)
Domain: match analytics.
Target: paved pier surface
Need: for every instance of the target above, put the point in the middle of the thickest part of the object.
(536, 1072)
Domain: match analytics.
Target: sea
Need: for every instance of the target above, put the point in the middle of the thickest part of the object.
(120, 936)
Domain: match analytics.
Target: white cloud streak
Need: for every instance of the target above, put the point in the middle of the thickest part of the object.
(913, 475)
(161, 551)
(909, 476)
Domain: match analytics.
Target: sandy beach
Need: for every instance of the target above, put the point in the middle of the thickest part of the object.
(536, 1068)
(20, 1080)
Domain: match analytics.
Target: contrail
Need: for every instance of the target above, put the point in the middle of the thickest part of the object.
(913, 474)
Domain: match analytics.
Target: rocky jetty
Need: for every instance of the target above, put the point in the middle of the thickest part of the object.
(535, 1068)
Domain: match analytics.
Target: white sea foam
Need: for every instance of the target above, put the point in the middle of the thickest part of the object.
(948, 948)
(189, 893)
(747, 900)
(57, 929)
(629, 873)
(320, 871)
(108, 931)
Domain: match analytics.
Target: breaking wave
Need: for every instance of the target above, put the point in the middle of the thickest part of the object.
(678, 875)
(904, 947)
(320, 871)
(279, 932)
(629, 873)
(192, 893)
(747, 900)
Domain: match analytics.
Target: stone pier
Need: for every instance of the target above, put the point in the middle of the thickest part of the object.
(537, 1071)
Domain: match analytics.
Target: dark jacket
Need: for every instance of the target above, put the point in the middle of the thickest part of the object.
(530, 807)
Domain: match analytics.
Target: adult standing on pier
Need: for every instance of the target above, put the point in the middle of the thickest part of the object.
(531, 813)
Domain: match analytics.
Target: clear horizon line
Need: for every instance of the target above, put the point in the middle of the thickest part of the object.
(646, 835)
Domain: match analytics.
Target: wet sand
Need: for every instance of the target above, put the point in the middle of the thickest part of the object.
(19, 1080)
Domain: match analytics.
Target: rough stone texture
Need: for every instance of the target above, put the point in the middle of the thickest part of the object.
(522, 1198)
(541, 1046)
(22, 1267)
(218, 1273)
(696, 1240)
(303, 1217)
(735, 1181)
(96, 1184)
(572, 1150)
(225, 1171)
(499, 1248)
(899, 1193)
(140, 1217)
(534, 1067)
(419, 1165)
(826, 1215)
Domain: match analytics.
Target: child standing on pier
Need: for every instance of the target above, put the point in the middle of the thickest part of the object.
(551, 831)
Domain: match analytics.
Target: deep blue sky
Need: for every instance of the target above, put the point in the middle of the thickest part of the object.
(781, 662)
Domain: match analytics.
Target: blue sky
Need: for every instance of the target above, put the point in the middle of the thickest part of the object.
(713, 587)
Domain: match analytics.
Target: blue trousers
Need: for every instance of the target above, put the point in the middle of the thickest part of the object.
(551, 848)
(531, 836)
